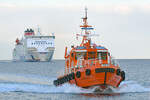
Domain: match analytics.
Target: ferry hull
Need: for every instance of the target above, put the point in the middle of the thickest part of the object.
(34, 48)
(35, 57)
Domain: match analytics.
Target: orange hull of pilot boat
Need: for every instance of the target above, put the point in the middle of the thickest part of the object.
(90, 65)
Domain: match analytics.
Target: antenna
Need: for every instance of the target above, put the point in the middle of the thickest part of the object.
(87, 31)
(53, 34)
(38, 31)
(85, 18)
(86, 12)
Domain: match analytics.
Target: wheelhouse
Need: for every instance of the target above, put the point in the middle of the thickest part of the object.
(80, 57)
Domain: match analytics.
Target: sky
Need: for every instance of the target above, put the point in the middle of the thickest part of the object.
(123, 26)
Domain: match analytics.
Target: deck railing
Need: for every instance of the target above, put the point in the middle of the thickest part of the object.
(94, 62)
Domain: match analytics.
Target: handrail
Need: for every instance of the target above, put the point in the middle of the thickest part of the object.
(94, 62)
(83, 63)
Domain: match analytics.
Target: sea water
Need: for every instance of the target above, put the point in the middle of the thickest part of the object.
(34, 81)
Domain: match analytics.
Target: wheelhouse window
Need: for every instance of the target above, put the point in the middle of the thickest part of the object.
(102, 55)
(80, 55)
(91, 55)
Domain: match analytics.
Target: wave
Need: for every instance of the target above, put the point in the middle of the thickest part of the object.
(38, 84)
(125, 87)
(38, 88)
(22, 78)
(131, 86)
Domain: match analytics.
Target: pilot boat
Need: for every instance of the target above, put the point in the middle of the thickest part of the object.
(90, 65)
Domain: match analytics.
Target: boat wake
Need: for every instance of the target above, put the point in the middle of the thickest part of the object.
(34, 87)
(131, 87)
(38, 84)
(39, 88)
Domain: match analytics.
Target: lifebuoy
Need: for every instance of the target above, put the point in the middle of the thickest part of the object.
(78, 74)
(123, 75)
(118, 72)
(88, 72)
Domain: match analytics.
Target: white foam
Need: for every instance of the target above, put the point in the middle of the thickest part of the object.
(24, 87)
(31, 83)
(130, 86)
(40, 85)
(68, 88)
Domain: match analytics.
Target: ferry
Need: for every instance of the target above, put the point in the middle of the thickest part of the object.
(34, 47)
(90, 65)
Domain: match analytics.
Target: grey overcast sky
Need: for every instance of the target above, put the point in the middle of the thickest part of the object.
(123, 25)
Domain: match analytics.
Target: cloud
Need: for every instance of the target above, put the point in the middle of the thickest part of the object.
(119, 8)
(123, 9)
(7, 5)
(118, 33)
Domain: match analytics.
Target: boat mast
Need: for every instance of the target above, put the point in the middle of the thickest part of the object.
(86, 41)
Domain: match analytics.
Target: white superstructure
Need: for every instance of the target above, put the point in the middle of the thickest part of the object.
(34, 47)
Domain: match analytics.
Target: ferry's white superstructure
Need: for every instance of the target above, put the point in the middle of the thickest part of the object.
(34, 47)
